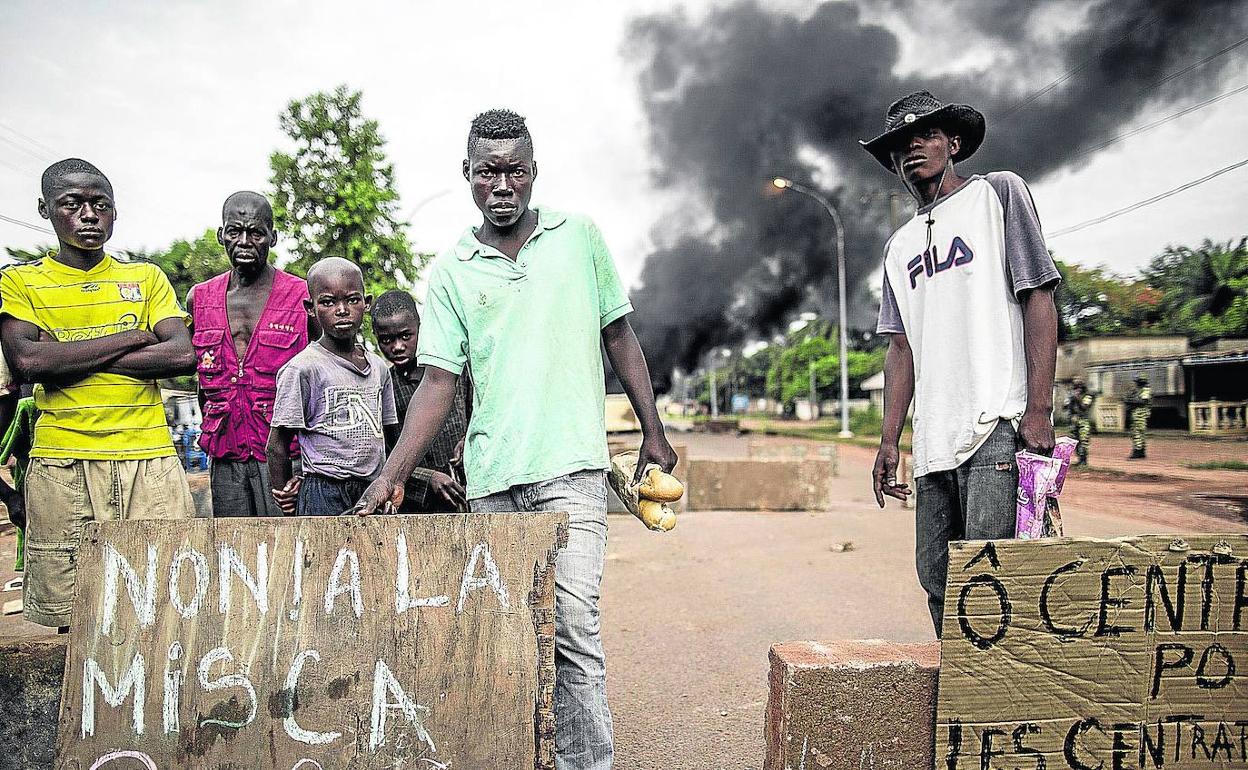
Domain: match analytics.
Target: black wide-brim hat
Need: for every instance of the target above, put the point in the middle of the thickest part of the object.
(921, 109)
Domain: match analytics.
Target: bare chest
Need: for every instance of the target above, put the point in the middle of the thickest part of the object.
(243, 309)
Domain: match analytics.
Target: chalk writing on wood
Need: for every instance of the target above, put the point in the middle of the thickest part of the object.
(1109, 654)
(391, 641)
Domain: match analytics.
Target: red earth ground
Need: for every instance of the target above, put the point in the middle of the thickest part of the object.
(688, 615)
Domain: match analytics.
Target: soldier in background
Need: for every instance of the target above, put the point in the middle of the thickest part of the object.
(1139, 403)
(1079, 408)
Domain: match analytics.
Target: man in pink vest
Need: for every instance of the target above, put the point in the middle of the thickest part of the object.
(247, 323)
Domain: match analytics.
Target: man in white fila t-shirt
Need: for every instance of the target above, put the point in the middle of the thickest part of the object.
(968, 307)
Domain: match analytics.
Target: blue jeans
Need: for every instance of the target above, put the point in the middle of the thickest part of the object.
(583, 729)
(975, 501)
(323, 496)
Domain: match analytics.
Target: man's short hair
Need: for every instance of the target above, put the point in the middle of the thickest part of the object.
(394, 302)
(54, 175)
(247, 196)
(498, 124)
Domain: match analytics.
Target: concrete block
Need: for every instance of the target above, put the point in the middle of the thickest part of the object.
(620, 414)
(851, 705)
(30, 699)
(770, 450)
(722, 425)
(760, 485)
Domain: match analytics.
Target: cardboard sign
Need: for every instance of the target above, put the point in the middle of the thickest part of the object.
(1105, 654)
(422, 642)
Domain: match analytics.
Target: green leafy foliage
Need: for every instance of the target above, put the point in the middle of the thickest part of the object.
(25, 255)
(335, 194)
(1093, 302)
(788, 377)
(189, 262)
(1204, 291)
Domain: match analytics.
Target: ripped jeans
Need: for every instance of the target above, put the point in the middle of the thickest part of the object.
(975, 501)
(583, 728)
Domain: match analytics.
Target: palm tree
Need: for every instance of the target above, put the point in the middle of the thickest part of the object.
(1204, 290)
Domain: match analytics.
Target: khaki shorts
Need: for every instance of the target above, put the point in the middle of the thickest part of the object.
(63, 495)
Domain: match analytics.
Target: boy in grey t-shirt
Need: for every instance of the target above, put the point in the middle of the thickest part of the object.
(336, 397)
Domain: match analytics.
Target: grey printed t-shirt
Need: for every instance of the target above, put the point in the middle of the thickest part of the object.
(338, 411)
(953, 289)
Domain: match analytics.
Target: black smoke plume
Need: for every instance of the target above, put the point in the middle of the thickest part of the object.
(746, 93)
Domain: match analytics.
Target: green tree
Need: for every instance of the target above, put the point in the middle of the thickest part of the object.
(1204, 290)
(1093, 301)
(788, 379)
(22, 255)
(335, 195)
(187, 263)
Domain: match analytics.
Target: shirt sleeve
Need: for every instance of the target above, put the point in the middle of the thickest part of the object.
(612, 299)
(443, 334)
(1028, 263)
(292, 392)
(890, 315)
(389, 413)
(14, 301)
(162, 303)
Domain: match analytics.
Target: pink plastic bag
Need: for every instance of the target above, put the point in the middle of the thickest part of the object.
(1040, 481)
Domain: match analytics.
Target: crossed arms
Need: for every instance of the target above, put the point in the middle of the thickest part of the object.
(36, 357)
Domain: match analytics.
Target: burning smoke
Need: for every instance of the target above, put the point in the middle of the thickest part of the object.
(746, 94)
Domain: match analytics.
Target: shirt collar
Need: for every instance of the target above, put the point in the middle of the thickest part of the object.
(469, 247)
(99, 267)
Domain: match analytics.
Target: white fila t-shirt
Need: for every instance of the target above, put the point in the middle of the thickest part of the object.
(955, 297)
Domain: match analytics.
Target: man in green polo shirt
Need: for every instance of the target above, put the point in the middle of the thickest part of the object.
(527, 301)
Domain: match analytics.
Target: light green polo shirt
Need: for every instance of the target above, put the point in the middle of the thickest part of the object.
(530, 333)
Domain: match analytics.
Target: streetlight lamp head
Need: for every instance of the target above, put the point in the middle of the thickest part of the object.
(781, 183)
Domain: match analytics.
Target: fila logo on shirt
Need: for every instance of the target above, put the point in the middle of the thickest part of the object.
(927, 263)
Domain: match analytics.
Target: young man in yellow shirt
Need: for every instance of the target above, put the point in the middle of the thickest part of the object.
(94, 334)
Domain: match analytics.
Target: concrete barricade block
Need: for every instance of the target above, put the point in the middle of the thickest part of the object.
(851, 705)
(768, 450)
(30, 700)
(760, 485)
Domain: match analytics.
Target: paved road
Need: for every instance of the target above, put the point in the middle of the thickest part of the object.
(688, 616)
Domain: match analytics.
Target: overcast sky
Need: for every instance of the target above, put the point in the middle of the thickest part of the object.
(178, 102)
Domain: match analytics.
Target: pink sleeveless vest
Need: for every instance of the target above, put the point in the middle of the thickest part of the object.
(238, 395)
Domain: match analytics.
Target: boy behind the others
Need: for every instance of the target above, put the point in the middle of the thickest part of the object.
(336, 397)
(435, 485)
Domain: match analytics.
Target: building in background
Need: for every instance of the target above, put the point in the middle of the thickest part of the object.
(1201, 388)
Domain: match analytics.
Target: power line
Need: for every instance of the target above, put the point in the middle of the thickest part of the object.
(114, 249)
(23, 149)
(1202, 62)
(1160, 121)
(27, 225)
(1147, 201)
(1083, 64)
(4, 162)
(30, 139)
(1145, 22)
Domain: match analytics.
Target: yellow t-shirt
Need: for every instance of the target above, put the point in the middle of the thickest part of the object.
(102, 416)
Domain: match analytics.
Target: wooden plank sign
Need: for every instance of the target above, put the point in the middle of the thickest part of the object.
(421, 642)
(1095, 654)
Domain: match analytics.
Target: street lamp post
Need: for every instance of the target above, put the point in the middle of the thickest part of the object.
(782, 183)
